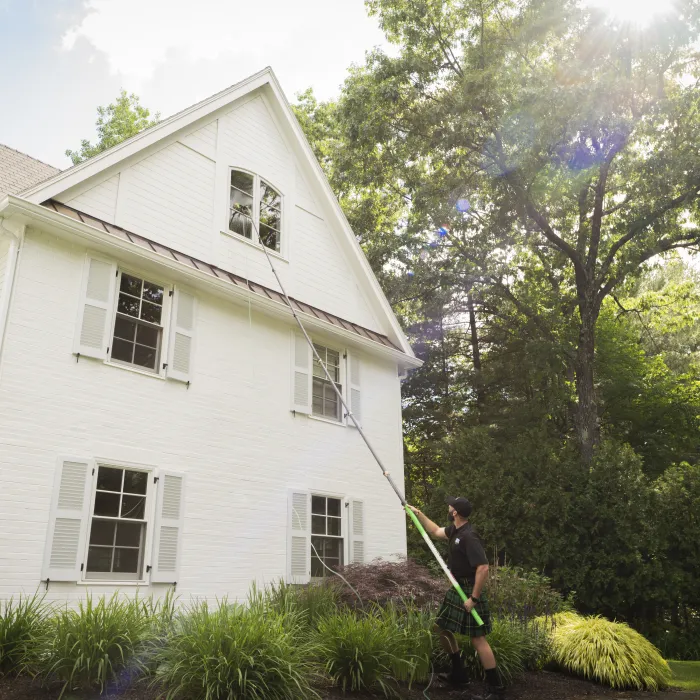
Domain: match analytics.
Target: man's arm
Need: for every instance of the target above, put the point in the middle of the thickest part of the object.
(431, 528)
(482, 573)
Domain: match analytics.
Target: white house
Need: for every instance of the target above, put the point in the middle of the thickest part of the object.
(161, 423)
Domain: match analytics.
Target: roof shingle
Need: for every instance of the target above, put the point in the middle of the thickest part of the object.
(19, 171)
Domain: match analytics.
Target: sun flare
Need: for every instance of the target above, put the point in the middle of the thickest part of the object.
(639, 12)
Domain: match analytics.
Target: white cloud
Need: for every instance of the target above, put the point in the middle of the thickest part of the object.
(140, 36)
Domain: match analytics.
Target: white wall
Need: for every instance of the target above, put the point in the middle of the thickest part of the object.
(231, 432)
(178, 196)
(4, 250)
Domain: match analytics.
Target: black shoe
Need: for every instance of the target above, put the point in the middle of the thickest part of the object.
(454, 679)
(491, 694)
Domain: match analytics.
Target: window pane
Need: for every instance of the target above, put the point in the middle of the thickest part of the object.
(330, 408)
(145, 357)
(135, 482)
(270, 217)
(334, 526)
(133, 506)
(99, 559)
(269, 237)
(317, 406)
(333, 358)
(131, 285)
(123, 328)
(102, 532)
(152, 292)
(151, 312)
(241, 202)
(122, 350)
(243, 181)
(128, 305)
(126, 561)
(317, 570)
(318, 524)
(107, 504)
(109, 479)
(241, 224)
(333, 548)
(318, 505)
(269, 197)
(145, 335)
(333, 506)
(129, 534)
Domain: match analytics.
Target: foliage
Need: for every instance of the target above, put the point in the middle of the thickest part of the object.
(359, 652)
(310, 603)
(116, 122)
(385, 582)
(96, 644)
(686, 674)
(608, 652)
(231, 651)
(22, 625)
(515, 593)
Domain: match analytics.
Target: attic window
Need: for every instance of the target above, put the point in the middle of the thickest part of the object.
(255, 204)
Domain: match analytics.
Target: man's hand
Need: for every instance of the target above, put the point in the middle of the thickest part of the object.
(469, 604)
(414, 509)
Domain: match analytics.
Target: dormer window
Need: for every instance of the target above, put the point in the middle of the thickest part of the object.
(254, 203)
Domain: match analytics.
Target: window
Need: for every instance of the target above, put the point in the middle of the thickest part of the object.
(138, 330)
(118, 527)
(325, 401)
(255, 203)
(326, 535)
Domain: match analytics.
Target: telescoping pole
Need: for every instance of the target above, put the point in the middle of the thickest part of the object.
(377, 458)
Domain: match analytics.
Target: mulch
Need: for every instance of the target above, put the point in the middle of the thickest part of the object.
(530, 686)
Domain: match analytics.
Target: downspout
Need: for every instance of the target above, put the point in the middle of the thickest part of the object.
(16, 234)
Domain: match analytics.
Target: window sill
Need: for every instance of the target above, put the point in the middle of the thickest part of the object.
(135, 370)
(320, 419)
(135, 584)
(248, 242)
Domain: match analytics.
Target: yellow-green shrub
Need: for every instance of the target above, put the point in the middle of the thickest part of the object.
(608, 652)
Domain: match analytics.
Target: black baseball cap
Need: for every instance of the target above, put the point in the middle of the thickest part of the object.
(460, 504)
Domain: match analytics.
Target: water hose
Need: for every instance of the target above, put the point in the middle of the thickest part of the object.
(349, 414)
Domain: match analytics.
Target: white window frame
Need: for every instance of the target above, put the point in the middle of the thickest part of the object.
(254, 241)
(342, 371)
(149, 519)
(165, 322)
(344, 527)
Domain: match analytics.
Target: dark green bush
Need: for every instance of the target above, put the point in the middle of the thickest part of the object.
(516, 593)
(22, 626)
(313, 601)
(96, 644)
(233, 652)
(359, 652)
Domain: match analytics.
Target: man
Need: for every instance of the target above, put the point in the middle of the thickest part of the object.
(468, 563)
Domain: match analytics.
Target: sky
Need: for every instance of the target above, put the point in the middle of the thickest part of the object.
(60, 59)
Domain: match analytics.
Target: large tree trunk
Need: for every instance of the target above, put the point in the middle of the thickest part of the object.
(587, 409)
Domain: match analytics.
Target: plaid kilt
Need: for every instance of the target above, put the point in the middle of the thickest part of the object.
(453, 616)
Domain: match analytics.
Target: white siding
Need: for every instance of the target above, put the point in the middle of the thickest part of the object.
(4, 250)
(203, 140)
(169, 197)
(231, 433)
(99, 201)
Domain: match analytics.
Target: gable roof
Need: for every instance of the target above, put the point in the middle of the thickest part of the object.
(18, 171)
(219, 273)
(195, 116)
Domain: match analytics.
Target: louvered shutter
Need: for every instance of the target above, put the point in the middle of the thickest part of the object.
(182, 336)
(65, 539)
(353, 370)
(302, 363)
(357, 531)
(168, 528)
(298, 540)
(96, 305)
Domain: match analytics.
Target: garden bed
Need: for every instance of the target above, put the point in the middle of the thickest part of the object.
(529, 686)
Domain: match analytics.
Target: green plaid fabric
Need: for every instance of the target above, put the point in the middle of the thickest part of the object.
(453, 616)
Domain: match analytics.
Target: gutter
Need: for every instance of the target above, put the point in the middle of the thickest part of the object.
(27, 212)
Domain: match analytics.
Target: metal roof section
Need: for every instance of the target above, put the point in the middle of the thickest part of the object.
(218, 272)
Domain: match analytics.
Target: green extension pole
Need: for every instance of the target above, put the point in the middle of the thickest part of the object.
(349, 414)
(441, 561)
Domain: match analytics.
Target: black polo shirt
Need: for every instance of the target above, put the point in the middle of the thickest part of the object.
(465, 552)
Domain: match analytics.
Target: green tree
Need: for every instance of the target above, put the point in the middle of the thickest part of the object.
(566, 140)
(116, 122)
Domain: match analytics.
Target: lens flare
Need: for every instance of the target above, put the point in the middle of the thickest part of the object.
(463, 205)
(410, 273)
(636, 12)
(442, 232)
